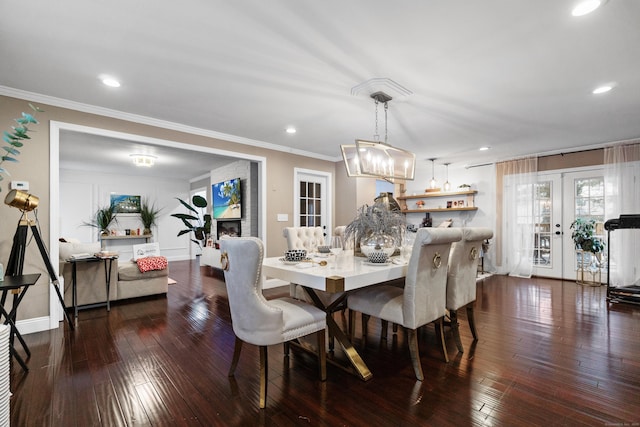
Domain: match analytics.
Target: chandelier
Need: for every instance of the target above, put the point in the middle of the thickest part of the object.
(144, 160)
(376, 159)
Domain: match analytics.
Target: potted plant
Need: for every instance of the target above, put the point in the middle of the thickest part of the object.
(103, 218)
(585, 240)
(198, 221)
(584, 236)
(148, 215)
(374, 225)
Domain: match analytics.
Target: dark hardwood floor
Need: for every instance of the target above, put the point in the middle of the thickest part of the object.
(550, 353)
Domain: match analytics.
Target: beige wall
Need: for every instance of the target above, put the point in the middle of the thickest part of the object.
(33, 166)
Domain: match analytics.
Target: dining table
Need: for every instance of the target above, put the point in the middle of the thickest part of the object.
(340, 275)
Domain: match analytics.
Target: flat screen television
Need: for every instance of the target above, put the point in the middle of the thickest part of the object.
(226, 197)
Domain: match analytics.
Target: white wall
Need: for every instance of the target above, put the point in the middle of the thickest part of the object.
(81, 193)
(481, 178)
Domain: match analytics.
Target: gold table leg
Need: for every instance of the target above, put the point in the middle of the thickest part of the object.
(359, 367)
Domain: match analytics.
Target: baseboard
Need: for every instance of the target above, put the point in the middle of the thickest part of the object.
(31, 326)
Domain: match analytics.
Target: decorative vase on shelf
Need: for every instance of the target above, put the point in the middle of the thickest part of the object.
(378, 242)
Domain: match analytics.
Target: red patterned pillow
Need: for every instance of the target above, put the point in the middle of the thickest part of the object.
(152, 263)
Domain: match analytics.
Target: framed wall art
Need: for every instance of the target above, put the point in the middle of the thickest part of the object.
(125, 204)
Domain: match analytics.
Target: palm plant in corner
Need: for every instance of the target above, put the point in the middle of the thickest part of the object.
(14, 138)
(198, 221)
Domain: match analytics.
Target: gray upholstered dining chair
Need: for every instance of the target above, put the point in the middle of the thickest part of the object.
(461, 278)
(263, 322)
(422, 300)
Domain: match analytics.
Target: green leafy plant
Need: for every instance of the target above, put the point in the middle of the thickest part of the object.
(14, 139)
(198, 221)
(103, 218)
(584, 235)
(148, 215)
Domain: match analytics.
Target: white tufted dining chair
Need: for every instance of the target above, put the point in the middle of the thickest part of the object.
(422, 300)
(312, 237)
(263, 322)
(461, 278)
(308, 238)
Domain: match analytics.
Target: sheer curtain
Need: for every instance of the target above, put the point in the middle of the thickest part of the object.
(622, 193)
(515, 220)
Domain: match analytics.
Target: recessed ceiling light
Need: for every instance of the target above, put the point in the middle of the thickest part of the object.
(111, 82)
(291, 129)
(603, 89)
(484, 148)
(585, 7)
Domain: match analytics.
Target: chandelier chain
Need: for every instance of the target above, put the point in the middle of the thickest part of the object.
(376, 136)
(386, 107)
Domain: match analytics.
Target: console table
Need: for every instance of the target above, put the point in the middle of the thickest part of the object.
(108, 261)
(103, 239)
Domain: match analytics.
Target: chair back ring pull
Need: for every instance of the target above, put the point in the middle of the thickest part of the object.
(224, 261)
(474, 253)
(437, 260)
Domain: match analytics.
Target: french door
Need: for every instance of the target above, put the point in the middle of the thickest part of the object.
(312, 199)
(584, 195)
(548, 234)
(560, 198)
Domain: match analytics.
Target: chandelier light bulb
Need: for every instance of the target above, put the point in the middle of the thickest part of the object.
(433, 184)
(447, 184)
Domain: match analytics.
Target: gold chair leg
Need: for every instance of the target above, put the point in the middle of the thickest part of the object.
(365, 330)
(415, 355)
(472, 322)
(237, 348)
(455, 329)
(352, 324)
(322, 354)
(264, 368)
(385, 326)
(440, 334)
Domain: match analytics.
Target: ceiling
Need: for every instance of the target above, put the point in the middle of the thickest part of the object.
(513, 75)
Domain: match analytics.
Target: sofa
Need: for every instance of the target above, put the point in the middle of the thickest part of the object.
(126, 279)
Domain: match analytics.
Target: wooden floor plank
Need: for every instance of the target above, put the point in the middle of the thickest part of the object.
(549, 353)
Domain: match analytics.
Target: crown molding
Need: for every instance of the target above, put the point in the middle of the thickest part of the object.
(149, 121)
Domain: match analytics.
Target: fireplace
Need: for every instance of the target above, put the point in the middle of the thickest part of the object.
(228, 228)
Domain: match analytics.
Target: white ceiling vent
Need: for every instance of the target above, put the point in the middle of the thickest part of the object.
(381, 84)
